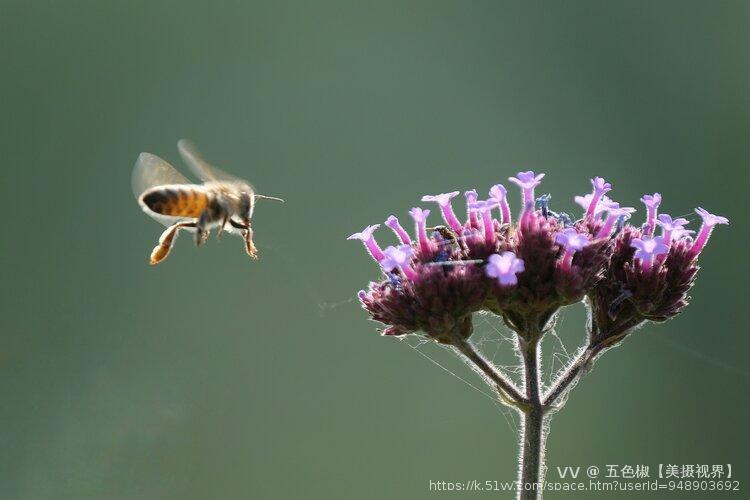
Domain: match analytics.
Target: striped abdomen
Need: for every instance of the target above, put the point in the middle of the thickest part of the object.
(176, 201)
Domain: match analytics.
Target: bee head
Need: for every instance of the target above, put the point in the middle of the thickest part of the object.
(247, 205)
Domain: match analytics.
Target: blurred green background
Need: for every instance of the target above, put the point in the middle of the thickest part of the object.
(211, 376)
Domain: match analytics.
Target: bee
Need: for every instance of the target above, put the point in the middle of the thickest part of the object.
(222, 201)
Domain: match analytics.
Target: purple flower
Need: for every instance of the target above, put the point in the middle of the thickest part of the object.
(399, 258)
(678, 234)
(504, 267)
(647, 249)
(613, 214)
(485, 208)
(572, 241)
(471, 197)
(600, 187)
(527, 181)
(444, 200)
(586, 202)
(420, 219)
(709, 221)
(670, 227)
(394, 224)
(371, 245)
(498, 193)
(652, 203)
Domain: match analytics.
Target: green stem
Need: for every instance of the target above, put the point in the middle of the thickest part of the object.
(531, 470)
(511, 395)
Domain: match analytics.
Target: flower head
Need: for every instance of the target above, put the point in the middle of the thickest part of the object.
(504, 267)
(444, 200)
(437, 283)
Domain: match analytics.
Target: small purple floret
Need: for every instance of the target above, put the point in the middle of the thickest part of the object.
(420, 218)
(444, 200)
(527, 181)
(600, 187)
(499, 194)
(652, 202)
(394, 224)
(366, 237)
(572, 241)
(504, 267)
(613, 214)
(485, 209)
(709, 221)
(603, 204)
(471, 197)
(670, 227)
(399, 258)
(647, 249)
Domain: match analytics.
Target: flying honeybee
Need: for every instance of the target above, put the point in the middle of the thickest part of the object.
(222, 201)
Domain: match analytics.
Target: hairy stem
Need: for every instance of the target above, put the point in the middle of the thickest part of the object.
(505, 387)
(567, 379)
(570, 377)
(531, 471)
(531, 467)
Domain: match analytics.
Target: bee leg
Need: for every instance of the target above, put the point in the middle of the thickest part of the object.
(166, 240)
(249, 246)
(201, 233)
(221, 227)
(247, 233)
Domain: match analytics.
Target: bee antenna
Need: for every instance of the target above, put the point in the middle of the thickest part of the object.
(263, 197)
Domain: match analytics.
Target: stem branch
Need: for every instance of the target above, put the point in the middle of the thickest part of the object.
(505, 387)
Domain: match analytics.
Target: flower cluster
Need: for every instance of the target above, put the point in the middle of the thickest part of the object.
(525, 270)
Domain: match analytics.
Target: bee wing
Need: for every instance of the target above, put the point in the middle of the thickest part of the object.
(204, 170)
(151, 171)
